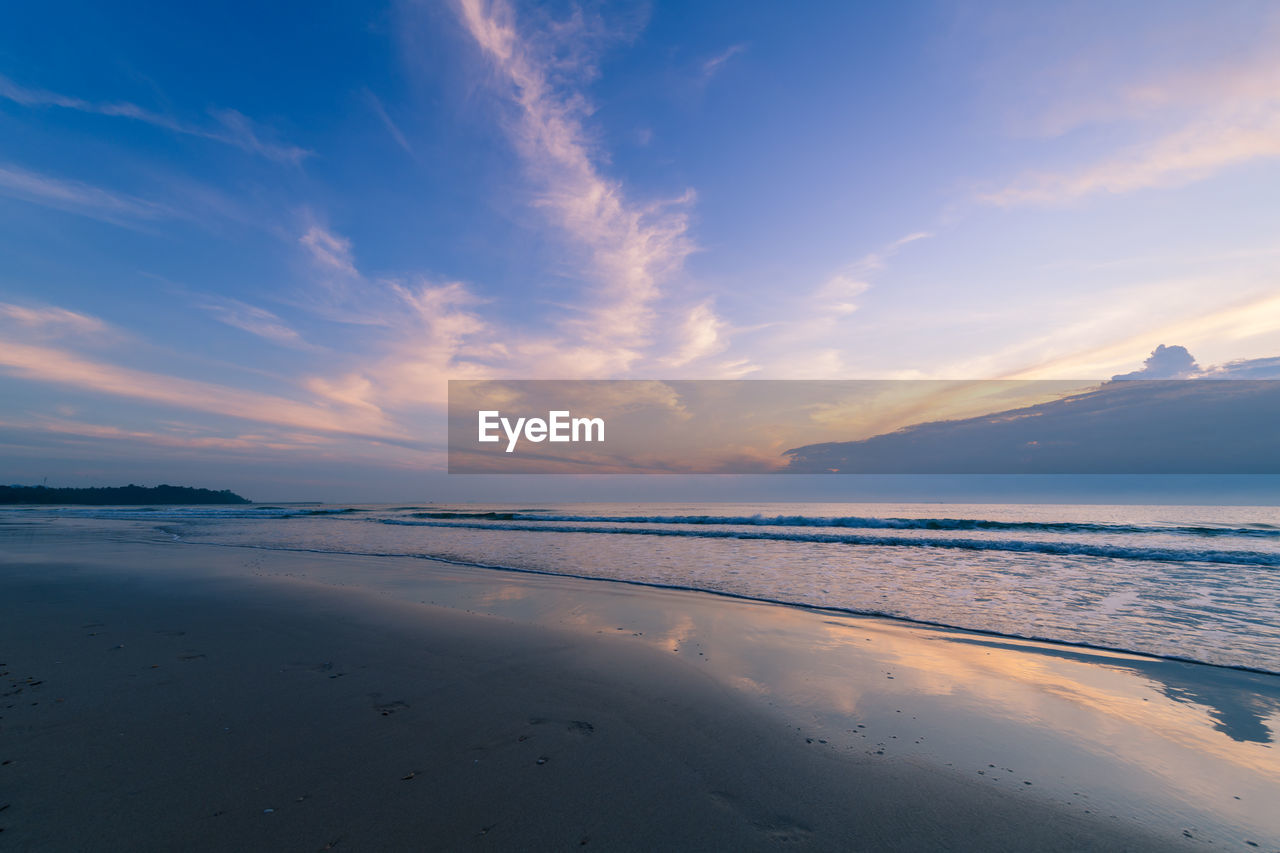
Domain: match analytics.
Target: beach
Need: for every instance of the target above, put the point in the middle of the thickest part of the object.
(160, 695)
(543, 425)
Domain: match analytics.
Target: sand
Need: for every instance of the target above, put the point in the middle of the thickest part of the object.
(162, 696)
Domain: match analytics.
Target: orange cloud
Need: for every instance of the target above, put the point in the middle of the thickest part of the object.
(47, 364)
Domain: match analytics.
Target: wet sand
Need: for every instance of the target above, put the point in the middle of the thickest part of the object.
(158, 695)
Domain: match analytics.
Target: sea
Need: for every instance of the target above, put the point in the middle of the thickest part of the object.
(1198, 583)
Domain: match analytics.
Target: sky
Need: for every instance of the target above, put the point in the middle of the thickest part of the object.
(246, 245)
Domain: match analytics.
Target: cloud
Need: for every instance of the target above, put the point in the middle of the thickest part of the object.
(438, 311)
(180, 438)
(176, 440)
(1242, 83)
(61, 366)
(427, 333)
(239, 130)
(631, 248)
(621, 322)
(329, 250)
(1165, 362)
(379, 110)
(1193, 153)
(350, 390)
(809, 339)
(837, 293)
(51, 319)
(254, 320)
(702, 335)
(1189, 125)
(1253, 316)
(1252, 368)
(234, 128)
(1180, 427)
(439, 334)
(76, 197)
(713, 65)
(876, 261)
(430, 332)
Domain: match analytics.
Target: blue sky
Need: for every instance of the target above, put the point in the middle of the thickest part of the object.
(247, 247)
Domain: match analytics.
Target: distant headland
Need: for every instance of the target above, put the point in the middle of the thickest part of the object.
(118, 495)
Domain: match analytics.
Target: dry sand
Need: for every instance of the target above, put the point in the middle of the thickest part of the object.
(173, 697)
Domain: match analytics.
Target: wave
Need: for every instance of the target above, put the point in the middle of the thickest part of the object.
(1163, 555)
(508, 516)
(862, 522)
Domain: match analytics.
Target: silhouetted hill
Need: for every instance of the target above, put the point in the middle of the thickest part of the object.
(118, 495)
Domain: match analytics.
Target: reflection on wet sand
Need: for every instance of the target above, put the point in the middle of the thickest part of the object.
(1148, 739)
(1239, 702)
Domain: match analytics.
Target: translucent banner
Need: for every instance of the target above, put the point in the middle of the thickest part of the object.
(1177, 426)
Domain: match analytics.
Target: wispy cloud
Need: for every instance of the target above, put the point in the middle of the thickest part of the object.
(254, 320)
(187, 438)
(632, 248)
(329, 250)
(380, 110)
(169, 442)
(1190, 154)
(242, 132)
(1107, 341)
(438, 336)
(427, 332)
(231, 127)
(808, 337)
(702, 334)
(1189, 125)
(877, 260)
(48, 318)
(77, 197)
(352, 389)
(1245, 81)
(64, 367)
(835, 297)
(713, 65)
(624, 321)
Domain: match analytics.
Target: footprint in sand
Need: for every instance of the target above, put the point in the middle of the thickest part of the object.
(577, 727)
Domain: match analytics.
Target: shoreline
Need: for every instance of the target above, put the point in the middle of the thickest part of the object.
(737, 596)
(778, 725)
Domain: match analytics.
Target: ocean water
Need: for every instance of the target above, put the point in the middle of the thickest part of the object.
(1196, 583)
